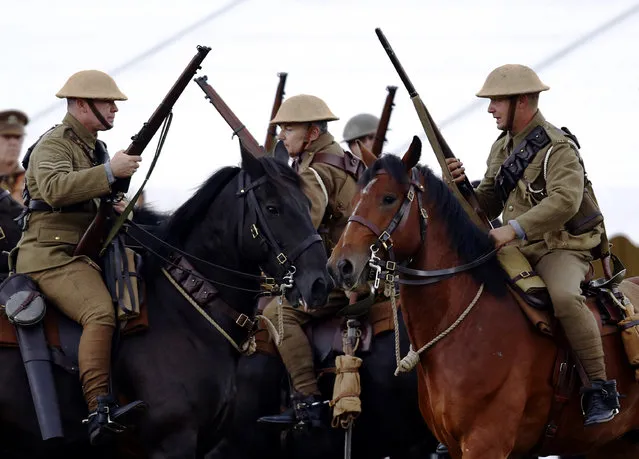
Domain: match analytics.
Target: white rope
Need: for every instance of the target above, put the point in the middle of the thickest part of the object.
(411, 359)
(276, 334)
(248, 347)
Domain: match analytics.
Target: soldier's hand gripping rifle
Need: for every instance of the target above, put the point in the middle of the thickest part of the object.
(236, 125)
(382, 127)
(93, 237)
(464, 190)
(271, 134)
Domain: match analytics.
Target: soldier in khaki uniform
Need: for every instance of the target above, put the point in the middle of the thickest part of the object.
(303, 130)
(538, 211)
(362, 127)
(12, 123)
(67, 170)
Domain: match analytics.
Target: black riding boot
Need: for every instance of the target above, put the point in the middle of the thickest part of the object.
(305, 410)
(442, 450)
(600, 401)
(110, 419)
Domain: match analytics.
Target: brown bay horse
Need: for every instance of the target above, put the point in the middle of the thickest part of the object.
(485, 388)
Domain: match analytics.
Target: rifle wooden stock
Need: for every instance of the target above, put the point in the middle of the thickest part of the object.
(382, 127)
(91, 241)
(271, 133)
(233, 121)
(463, 191)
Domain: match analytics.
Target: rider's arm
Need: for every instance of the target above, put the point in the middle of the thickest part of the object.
(58, 184)
(317, 188)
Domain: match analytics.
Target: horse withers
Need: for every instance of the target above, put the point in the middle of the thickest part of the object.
(485, 374)
(241, 222)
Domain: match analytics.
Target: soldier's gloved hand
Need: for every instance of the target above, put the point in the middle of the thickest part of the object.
(456, 169)
(123, 165)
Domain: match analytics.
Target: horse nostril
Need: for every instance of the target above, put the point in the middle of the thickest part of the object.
(319, 291)
(345, 267)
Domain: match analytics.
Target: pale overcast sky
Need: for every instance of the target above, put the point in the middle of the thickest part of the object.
(329, 48)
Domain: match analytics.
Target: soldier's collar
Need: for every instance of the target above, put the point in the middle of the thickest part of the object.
(537, 120)
(79, 129)
(323, 141)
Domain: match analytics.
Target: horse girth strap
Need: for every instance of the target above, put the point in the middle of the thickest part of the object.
(202, 292)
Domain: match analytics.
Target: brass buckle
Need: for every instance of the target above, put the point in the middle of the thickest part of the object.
(254, 231)
(390, 266)
(282, 258)
(386, 240)
(242, 320)
(411, 194)
(2, 235)
(269, 281)
(424, 213)
(525, 274)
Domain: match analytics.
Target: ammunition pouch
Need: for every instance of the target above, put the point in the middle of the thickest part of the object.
(630, 336)
(522, 277)
(588, 216)
(120, 270)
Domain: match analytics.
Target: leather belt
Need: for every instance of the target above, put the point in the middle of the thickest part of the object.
(43, 206)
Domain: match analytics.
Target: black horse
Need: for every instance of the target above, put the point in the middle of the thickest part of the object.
(9, 230)
(390, 423)
(181, 366)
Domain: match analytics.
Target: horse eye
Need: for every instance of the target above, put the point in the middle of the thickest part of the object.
(272, 210)
(389, 199)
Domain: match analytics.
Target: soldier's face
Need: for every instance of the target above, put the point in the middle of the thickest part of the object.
(293, 135)
(107, 109)
(498, 107)
(10, 146)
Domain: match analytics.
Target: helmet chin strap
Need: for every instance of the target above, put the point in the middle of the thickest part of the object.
(511, 119)
(98, 115)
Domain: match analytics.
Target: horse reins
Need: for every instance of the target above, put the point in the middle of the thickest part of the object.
(259, 227)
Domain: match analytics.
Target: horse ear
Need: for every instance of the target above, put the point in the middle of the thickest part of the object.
(367, 156)
(411, 157)
(280, 152)
(250, 163)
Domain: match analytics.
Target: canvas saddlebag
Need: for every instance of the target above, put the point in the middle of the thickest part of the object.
(522, 277)
(120, 269)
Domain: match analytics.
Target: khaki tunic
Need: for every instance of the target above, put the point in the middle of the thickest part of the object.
(62, 171)
(329, 189)
(543, 220)
(14, 183)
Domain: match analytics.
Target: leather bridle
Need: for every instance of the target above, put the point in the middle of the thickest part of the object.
(390, 269)
(260, 229)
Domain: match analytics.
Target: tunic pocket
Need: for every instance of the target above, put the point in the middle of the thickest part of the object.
(58, 236)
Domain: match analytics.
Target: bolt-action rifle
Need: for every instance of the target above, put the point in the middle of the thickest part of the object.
(382, 127)
(233, 121)
(91, 241)
(271, 134)
(463, 191)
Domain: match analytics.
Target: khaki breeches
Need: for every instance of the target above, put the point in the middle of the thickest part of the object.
(563, 271)
(295, 349)
(77, 289)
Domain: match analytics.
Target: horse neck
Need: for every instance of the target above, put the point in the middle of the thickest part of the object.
(446, 300)
(214, 239)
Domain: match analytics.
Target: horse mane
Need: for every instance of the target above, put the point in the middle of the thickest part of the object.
(179, 225)
(470, 241)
